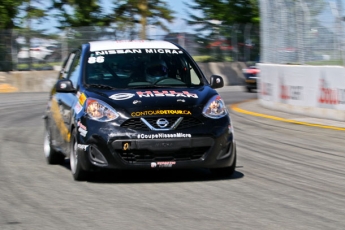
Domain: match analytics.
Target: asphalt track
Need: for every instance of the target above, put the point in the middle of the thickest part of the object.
(289, 176)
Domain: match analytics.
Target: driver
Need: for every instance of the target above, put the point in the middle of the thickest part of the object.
(156, 70)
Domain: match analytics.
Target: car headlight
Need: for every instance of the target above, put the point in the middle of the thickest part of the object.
(215, 108)
(100, 111)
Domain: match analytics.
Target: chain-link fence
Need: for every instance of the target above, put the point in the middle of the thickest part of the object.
(28, 51)
(302, 32)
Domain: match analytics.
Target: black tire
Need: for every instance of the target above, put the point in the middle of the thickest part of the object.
(52, 157)
(225, 172)
(78, 173)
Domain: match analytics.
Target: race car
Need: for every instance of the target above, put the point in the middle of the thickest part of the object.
(251, 75)
(137, 105)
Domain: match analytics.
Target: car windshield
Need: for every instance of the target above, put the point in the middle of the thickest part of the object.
(141, 68)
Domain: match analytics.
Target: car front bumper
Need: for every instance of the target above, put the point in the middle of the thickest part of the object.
(131, 150)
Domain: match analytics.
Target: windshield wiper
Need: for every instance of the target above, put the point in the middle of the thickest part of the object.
(100, 86)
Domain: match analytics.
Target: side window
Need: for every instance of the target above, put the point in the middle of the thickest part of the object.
(74, 72)
(194, 77)
(65, 68)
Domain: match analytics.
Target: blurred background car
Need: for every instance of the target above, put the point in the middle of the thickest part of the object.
(40, 53)
(251, 74)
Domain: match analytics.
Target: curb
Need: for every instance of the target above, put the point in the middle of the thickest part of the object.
(235, 107)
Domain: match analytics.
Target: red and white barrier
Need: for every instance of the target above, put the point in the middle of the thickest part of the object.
(317, 91)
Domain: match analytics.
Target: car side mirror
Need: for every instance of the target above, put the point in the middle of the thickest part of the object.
(216, 81)
(65, 86)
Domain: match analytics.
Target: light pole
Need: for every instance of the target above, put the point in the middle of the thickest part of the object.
(336, 10)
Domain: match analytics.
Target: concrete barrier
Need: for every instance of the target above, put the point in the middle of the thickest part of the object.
(42, 81)
(316, 91)
(230, 71)
(27, 81)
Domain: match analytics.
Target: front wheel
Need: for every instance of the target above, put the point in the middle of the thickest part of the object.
(225, 172)
(52, 157)
(78, 173)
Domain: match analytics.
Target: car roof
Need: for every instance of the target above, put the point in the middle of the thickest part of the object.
(131, 44)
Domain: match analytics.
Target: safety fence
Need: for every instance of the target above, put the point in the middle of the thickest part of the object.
(31, 51)
(302, 32)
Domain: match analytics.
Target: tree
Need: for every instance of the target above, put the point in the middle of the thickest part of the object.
(9, 10)
(80, 13)
(143, 12)
(81, 20)
(31, 12)
(16, 15)
(226, 20)
(228, 12)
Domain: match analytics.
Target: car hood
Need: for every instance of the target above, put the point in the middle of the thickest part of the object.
(150, 99)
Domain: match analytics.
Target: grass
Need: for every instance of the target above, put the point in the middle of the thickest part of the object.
(38, 66)
(329, 62)
(208, 58)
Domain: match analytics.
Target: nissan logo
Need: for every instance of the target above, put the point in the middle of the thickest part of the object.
(162, 122)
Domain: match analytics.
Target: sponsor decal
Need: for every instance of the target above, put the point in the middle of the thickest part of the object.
(330, 96)
(163, 164)
(290, 92)
(81, 98)
(164, 135)
(82, 132)
(160, 112)
(162, 51)
(266, 89)
(83, 147)
(59, 121)
(341, 93)
(93, 60)
(166, 93)
(122, 51)
(130, 51)
(122, 96)
(77, 108)
(81, 125)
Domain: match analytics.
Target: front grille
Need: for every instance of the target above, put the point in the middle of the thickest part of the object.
(137, 124)
(185, 154)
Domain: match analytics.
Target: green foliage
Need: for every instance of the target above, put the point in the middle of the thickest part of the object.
(228, 12)
(227, 21)
(9, 10)
(80, 13)
(143, 12)
(211, 58)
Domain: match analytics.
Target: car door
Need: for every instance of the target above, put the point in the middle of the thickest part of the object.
(63, 102)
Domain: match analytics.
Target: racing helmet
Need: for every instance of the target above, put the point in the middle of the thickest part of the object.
(156, 70)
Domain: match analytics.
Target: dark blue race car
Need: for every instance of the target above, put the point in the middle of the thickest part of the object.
(137, 105)
(251, 75)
